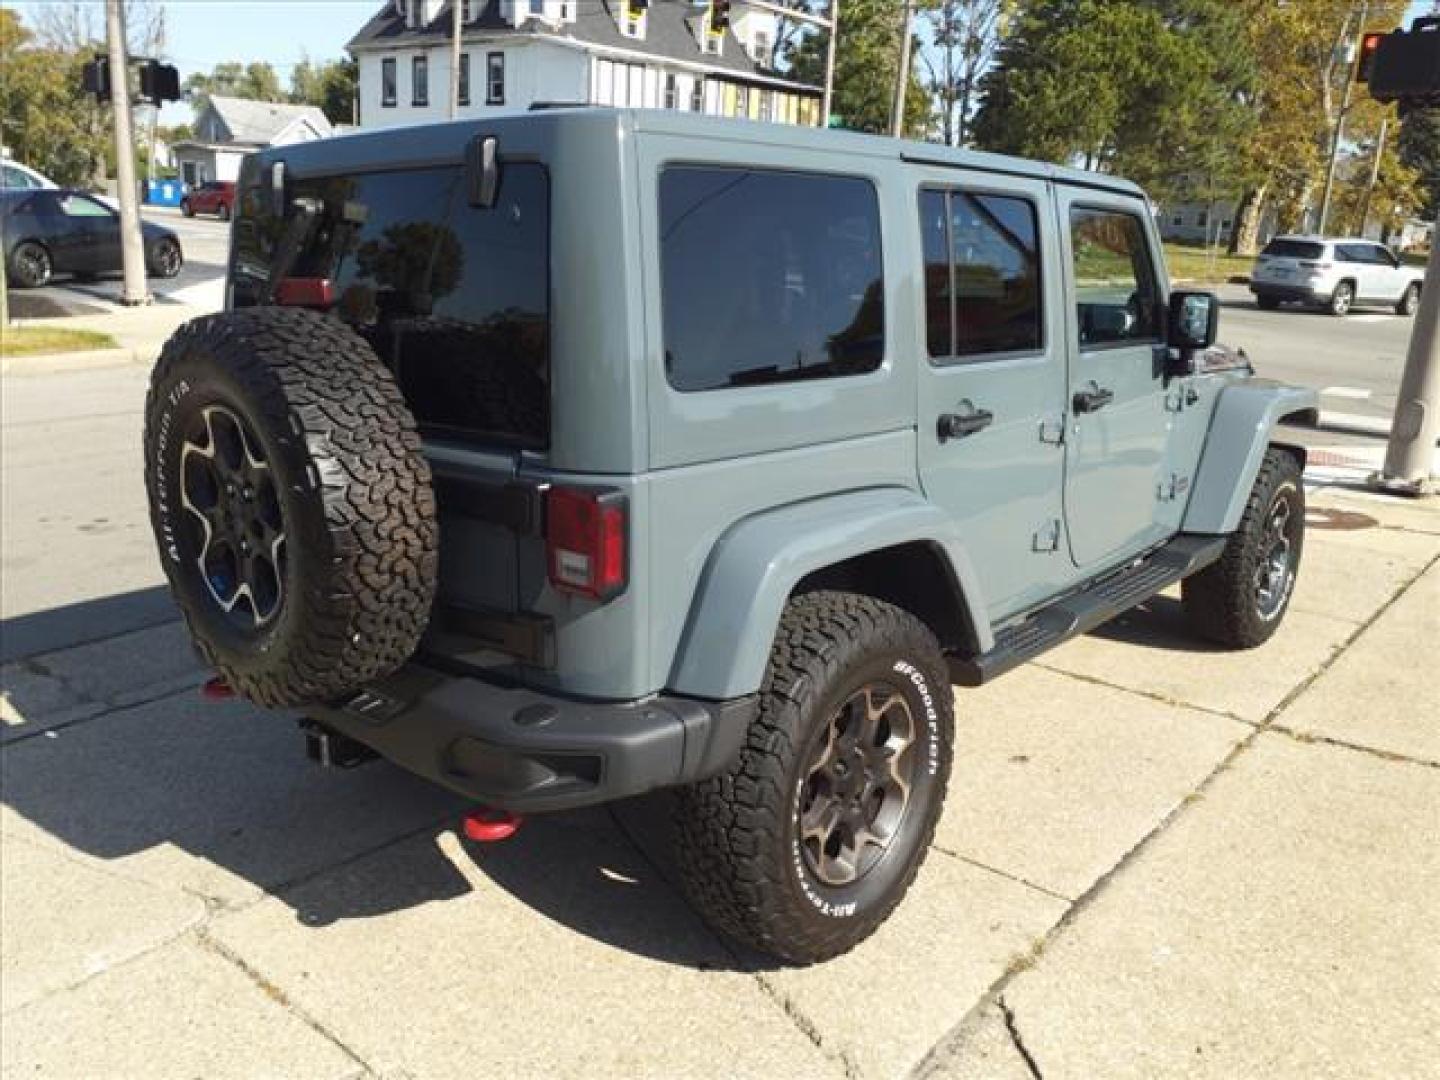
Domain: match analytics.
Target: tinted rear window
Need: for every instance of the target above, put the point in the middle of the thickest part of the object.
(768, 277)
(455, 299)
(1294, 249)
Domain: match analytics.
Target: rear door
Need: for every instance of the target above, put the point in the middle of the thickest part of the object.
(1116, 443)
(92, 234)
(1389, 278)
(992, 380)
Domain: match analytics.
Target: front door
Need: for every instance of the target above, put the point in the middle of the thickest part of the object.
(94, 234)
(1118, 418)
(992, 380)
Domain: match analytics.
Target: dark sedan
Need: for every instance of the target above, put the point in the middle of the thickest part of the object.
(60, 231)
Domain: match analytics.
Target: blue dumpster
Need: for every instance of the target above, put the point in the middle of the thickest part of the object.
(164, 192)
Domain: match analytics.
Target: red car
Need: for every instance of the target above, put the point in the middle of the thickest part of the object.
(214, 197)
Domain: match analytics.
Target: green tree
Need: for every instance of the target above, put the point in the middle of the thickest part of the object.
(255, 81)
(48, 123)
(1419, 148)
(329, 85)
(867, 60)
(964, 38)
(1151, 89)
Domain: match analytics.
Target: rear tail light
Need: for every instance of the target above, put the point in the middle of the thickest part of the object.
(585, 541)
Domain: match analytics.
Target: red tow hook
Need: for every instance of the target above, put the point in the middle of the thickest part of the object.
(217, 689)
(489, 824)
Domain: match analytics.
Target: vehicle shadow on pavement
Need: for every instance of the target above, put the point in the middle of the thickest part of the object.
(219, 800)
(91, 620)
(1158, 623)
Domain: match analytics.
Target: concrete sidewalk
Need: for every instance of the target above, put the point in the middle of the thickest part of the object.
(1156, 860)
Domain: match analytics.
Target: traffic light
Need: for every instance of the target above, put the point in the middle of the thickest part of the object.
(159, 82)
(95, 78)
(1407, 65)
(1369, 45)
(719, 16)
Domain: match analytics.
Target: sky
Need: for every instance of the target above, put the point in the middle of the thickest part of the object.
(203, 33)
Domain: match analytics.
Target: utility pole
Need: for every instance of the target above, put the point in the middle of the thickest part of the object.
(1374, 176)
(829, 98)
(455, 25)
(1339, 132)
(902, 81)
(1416, 425)
(132, 249)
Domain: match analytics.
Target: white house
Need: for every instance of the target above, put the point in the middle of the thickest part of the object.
(228, 128)
(659, 54)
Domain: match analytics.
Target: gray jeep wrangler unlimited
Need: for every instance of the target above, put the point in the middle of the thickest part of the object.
(568, 456)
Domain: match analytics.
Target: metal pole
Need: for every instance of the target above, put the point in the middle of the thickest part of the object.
(131, 247)
(1410, 454)
(828, 100)
(1374, 175)
(1339, 131)
(902, 81)
(455, 24)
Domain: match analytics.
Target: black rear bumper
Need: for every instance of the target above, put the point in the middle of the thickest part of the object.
(527, 751)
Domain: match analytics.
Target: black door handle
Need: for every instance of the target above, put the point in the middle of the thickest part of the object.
(1092, 399)
(956, 426)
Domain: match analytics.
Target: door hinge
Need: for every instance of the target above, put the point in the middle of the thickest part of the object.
(1048, 538)
(1052, 430)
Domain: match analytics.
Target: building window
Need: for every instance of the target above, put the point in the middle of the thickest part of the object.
(760, 48)
(672, 92)
(495, 78)
(806, 301)
(712, 43)
(697, 95)
(742, 102)
(387, 82)
(537, 7)
(465, 78)
(765, 110)
(419, 80)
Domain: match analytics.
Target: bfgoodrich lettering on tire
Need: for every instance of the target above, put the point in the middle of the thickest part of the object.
(291, 503)
(810, 839)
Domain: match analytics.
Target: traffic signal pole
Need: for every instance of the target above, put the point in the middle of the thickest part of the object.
(131, 246)
(1410, 454)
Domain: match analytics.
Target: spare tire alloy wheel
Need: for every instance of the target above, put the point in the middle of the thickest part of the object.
(291, 503)
(30, 265)
(1342, 298)
(230, 489)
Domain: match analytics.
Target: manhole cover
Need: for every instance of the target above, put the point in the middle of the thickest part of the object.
(1338, 520)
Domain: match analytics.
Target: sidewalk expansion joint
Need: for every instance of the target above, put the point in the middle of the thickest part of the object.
(1016, 878)
(1098, 886)
(105, 709)
(1149, 695)
(782, 1001)
(280, 998)
(1013, 1028)
(1358, 748)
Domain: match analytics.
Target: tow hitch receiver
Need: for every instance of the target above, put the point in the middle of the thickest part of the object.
(331, 750)
(489, 824)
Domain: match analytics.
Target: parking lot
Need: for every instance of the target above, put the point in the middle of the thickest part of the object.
(1154, 857)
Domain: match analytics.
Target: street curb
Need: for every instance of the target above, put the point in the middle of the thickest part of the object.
(82, 360)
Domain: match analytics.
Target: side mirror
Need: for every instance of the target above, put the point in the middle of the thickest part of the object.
(1194, 319)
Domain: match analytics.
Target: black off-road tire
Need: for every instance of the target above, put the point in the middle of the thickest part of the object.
(357, 566)
(1220, 601)
(1409, 301)
(737, 835)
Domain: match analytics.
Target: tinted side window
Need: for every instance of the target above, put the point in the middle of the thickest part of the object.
(994, 247)
(935, 243)
(768, 277)
(1381, 256)
(1351, 253)
(1115, 290)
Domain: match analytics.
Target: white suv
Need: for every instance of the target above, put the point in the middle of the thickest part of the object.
(1334, 273)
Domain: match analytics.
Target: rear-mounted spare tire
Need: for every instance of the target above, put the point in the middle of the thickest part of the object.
(291, 503)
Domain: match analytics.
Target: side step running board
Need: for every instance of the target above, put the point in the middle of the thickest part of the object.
(1083, 611)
